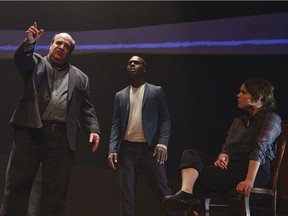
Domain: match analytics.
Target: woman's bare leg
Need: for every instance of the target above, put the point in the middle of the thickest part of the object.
(189, 177)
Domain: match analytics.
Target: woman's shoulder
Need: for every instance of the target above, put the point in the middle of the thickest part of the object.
(273, 116)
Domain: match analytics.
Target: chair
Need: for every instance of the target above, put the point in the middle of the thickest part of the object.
(257, 193)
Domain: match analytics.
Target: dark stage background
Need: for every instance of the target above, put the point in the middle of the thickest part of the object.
(201, 88)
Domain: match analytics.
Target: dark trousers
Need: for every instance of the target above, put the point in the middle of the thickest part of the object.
(135, 159)
(31, 147)
(35, 195)
(216, 180)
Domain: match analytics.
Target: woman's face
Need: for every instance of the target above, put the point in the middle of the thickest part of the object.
(244, 99)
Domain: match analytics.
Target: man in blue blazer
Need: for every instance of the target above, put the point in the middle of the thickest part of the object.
(139, 137)
(54, 105)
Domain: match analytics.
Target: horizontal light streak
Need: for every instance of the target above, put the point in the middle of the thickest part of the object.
(164, 45)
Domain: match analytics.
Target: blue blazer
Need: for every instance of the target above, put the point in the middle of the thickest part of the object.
(37, 73)
(155, 117)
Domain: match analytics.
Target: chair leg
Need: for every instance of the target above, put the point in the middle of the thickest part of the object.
(207, 206)
(245, 204)
(274, 205)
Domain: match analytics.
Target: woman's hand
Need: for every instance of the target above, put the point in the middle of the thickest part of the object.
(222, 161)
(244, 187)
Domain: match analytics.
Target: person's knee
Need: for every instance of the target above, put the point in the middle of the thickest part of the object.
(189, 153)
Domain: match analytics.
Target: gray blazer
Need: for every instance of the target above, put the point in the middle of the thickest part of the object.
(155, 117)
(37, 72)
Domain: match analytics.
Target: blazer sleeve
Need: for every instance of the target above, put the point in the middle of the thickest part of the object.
(24, 60)
(164, 119)
(116, 131)
(89, 117)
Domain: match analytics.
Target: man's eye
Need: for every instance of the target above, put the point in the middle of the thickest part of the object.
(67, 46)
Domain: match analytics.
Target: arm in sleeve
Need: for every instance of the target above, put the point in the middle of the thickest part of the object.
(230, 135)
(116, 132)
(24, 58)
(88, 114)
(269, 131)
(164, 119)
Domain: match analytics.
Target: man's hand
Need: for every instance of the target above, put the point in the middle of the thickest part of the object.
(32, 34)
(161, 154)
(112, 159)
(95, 139)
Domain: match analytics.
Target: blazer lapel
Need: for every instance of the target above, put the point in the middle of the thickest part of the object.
(71, 82)
(127, 99)
(50, 72)
(146, 92)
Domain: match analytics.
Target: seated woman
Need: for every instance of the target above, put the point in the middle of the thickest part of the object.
(245, 158)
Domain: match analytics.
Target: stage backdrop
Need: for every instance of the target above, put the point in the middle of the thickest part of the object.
(200, 65)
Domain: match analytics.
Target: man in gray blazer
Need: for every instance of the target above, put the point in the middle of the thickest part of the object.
(139, 137)
(54, 105)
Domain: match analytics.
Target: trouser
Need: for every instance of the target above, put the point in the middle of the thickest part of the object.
(31, 147)
(134, 159)
(35, 195)
(213, 179)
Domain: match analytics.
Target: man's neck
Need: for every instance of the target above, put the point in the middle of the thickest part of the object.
(59, 66)
(137, 83)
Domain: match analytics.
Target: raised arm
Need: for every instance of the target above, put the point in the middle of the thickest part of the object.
(33, 33)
